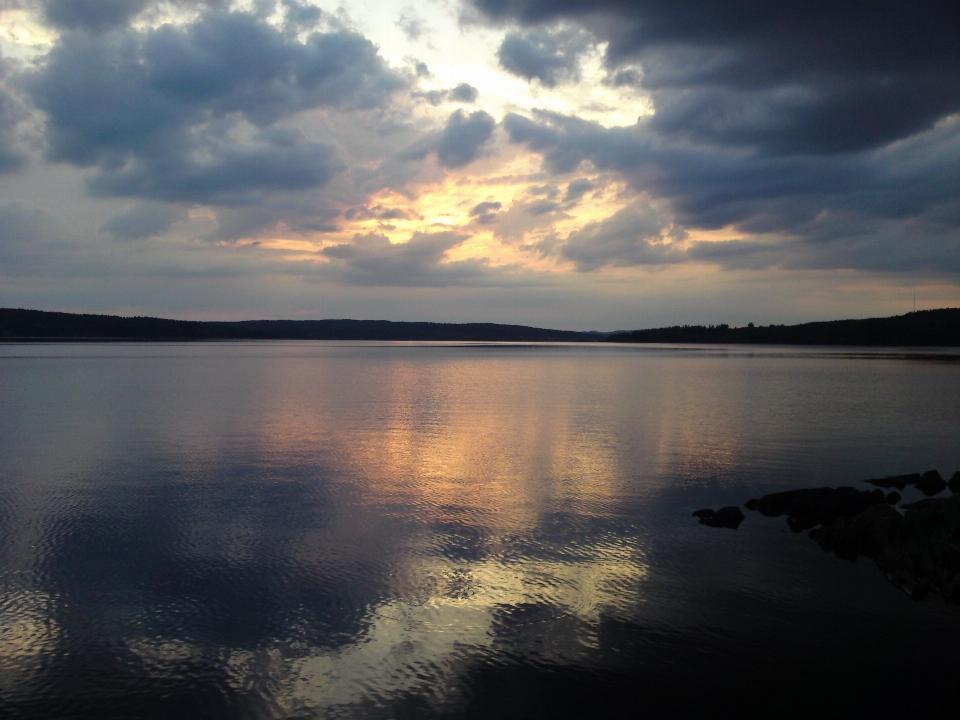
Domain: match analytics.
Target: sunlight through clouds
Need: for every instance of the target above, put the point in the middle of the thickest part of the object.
(566, 151)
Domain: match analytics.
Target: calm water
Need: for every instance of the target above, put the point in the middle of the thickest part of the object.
(404, 531)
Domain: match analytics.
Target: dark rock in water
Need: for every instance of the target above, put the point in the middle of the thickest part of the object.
(706, 512)
(931, 483)
(806, 509)
(954, 482)
(899, 482)
(753, 503)
(727, 517)
(894, 497)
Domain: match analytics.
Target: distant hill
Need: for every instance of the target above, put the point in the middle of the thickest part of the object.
(923, 328)
(40, 325)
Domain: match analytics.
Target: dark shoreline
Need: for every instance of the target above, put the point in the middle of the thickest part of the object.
(38, 326)
(926, 328)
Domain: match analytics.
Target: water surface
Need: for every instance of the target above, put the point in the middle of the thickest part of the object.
(297, 530)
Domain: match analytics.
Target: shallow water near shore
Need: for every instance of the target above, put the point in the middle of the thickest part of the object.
(377, 530)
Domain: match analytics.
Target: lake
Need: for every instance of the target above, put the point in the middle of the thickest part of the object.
(376, 530)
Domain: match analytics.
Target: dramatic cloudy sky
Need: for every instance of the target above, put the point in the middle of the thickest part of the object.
(593, 165)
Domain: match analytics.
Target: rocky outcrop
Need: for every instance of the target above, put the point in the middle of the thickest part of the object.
(954, 482)
(918, 550)
(930, 483)
(726, 517)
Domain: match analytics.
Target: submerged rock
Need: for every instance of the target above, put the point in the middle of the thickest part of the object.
(806, 509)
(727, 517)
(899, 482)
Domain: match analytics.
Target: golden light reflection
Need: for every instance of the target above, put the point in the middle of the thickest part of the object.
(432, 438)
(28, 633)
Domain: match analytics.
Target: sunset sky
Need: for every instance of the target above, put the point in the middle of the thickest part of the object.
(581, 165)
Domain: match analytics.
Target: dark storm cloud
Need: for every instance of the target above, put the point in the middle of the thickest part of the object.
(140, 222)
(714, 187)
(906, 194)
(780, 76)
(463, 138)
(188, 112)
(374, 260)
(551, 57)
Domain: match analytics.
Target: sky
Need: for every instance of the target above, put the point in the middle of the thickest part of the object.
(601, 165)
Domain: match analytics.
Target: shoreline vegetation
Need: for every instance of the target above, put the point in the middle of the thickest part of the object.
(924, 328)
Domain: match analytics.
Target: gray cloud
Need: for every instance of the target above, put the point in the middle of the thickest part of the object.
(550, 57)
(29, 239)
(463, 93)
(20, 226)
(566, 141)
(542, 207)
(12, 113)
(232, 175)
(486, 212)
(576, 189)
(412, 24)
(248, 221)
(632, 236)
(142, 221)
(172, 112)
(301, 15)
(463, 138)
(94, 15)
(486, 207)
(374, 260)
